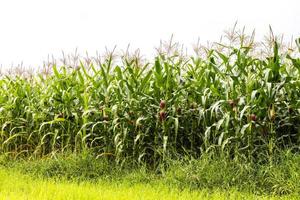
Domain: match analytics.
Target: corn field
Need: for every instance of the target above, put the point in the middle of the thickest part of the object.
(229, 102)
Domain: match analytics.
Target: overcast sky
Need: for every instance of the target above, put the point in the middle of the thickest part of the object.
(32, 29)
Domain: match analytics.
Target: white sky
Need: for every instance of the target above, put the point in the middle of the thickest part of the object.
(32, 29)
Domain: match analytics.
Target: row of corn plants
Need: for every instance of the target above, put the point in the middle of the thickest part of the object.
(228, 102)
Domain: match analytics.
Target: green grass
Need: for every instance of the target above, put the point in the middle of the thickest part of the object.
(208, 173)
(14, 185)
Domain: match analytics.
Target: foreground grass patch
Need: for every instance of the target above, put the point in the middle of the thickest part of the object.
(279, 176)
(14, 185)
(82, 176)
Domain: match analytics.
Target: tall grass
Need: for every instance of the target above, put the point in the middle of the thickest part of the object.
(227, 101)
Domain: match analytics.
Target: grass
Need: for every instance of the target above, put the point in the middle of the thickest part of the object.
(278, 177)
(14, 185)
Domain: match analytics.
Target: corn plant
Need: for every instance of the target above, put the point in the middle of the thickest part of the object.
(228, 102)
